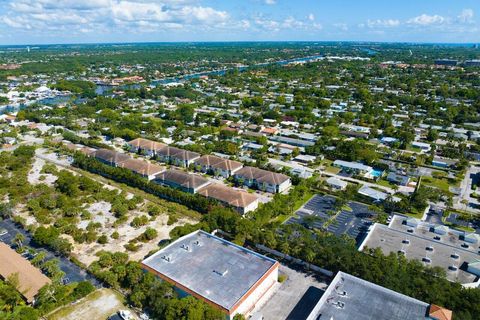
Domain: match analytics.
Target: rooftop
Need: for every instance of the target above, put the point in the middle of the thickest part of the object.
(421, 243)
(210, 267)
(30, 279)
(235, 198)
(349, 297)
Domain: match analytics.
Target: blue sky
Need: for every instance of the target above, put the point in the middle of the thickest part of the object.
(80, 21)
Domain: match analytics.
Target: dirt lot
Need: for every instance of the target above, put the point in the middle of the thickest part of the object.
(98, 305)
(86, 252)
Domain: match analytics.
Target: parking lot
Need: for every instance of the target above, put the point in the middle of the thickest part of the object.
(352, 221)
(73, 273)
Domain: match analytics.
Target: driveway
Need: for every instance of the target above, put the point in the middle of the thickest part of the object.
(296, 296)
(73, 272)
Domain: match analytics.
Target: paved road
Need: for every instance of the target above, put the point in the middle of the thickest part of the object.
(466, 189)
(72, 271)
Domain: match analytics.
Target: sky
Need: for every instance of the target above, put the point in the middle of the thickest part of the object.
(93, 21)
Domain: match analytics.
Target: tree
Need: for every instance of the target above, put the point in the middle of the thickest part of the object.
(19, 239)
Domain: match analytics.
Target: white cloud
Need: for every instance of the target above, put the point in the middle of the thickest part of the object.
(109, 15)
(386, 23)
(466, 16)
(311, 17)
(426, 20)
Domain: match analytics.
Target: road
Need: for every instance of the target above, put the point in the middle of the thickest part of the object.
(72, 271)
(465, 190)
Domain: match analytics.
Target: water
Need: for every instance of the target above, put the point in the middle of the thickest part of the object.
(105, 90)
(222, 72)
(377, 173)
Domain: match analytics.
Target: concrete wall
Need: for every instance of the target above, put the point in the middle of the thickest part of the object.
(249, 303)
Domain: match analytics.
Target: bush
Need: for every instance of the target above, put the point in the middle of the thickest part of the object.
(282, 278)
(115, 235)
(102, 239)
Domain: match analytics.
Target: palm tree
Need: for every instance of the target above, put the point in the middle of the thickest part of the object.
(19, 239)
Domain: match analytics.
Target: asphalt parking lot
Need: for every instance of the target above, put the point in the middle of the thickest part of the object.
(354, 222)
(73, 273)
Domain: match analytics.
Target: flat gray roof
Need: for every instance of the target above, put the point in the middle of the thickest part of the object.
(442, 251)
(215, 269)
(349, 297)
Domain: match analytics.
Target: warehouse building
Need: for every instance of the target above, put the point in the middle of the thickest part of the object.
(228, 277)
(434, 245)
(349, 297)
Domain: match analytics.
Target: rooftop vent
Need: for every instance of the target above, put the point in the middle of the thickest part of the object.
(185, 247)
(197, 243)
(166, 258)
(339, 304)
(221, 273)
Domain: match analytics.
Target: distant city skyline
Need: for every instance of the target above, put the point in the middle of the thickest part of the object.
(27, 22)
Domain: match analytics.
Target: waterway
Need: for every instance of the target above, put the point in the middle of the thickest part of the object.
(106, 90)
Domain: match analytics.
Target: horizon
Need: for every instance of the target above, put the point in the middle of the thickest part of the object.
(243, 42)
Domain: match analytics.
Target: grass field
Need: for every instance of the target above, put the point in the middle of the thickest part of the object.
(98, 305)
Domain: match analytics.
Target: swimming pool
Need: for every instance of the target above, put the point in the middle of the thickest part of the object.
(376, 173)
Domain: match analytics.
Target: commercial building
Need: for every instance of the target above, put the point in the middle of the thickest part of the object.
(217, 166)
(263, 180)
(228, 277)
(184, 181)
(446, 62)
(30, 279)
(349, 297)
(241, 201)
(472, 63)
(434, 245)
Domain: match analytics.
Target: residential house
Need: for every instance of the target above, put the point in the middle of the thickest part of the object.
(217, 166)
(184, 181)
(241, 201)
(177, 156)
(143, 168)
(262, 179)
(336, 184)
(145, 146)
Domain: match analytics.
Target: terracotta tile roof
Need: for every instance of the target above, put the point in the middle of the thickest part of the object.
(110, 156)
(439, 313)
(218, 163)
(183, 179)
(30, 279)
(142, 167)
(146, 144)
(234, 198)
(262, 176)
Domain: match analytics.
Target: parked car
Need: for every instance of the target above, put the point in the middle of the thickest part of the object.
(125, 315)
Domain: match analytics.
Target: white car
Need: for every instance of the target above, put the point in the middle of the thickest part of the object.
(126, 315)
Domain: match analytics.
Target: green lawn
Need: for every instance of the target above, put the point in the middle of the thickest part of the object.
(440, 183)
